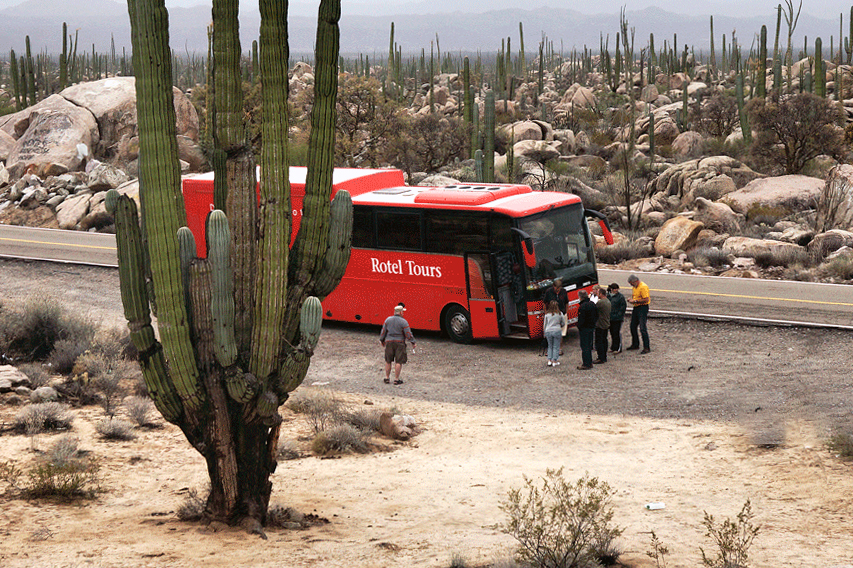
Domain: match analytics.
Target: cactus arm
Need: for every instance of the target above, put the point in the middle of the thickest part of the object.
(159, 175)
(489, 132)
(274, 240)
(338, 252)
(202, 318)
(134, 298)
(222, 288)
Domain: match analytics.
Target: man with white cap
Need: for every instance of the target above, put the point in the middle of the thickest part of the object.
(395, 332)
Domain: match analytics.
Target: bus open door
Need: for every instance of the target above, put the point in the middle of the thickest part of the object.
(482, 304)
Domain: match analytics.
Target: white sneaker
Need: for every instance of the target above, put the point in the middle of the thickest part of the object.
(550, 363)
(556, 363)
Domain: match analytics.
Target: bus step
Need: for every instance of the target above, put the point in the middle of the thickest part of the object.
(518, 335)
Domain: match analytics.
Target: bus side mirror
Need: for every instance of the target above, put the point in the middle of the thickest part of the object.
(603, 223)
(528, 250)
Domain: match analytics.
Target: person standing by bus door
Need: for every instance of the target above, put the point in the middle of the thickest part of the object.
(587, 316)
(618, 305)
(556, 293)
(602, 325)
(640, 299)
(395, 332)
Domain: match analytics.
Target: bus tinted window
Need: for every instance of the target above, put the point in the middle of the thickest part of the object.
(398, 230)
(502, 235)
(362, 227)
(452, 232)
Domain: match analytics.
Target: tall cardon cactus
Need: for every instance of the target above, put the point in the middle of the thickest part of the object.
(218, 376)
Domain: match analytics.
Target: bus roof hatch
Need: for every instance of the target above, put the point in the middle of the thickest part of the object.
(469, 194)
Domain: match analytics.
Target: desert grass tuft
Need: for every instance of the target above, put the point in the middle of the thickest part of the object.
(622, 251)
(115, 429)
(31, 332)
(139, 410)
(340, 439)
(192, 507)
(41, 417)
(708, 257)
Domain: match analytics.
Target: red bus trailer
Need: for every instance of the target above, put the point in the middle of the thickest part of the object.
(472, 260)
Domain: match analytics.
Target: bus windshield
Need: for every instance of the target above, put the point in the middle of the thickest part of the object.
(562, 244)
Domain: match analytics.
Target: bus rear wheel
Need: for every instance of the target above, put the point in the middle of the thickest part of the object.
(457, 323)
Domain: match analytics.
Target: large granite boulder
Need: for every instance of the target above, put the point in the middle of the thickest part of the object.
(679, 233)
(835, 204)
(6, 144)
(745, 246)
(688, 144)
(537, 150)
(717, 216)
(791, 192)
(522, 130)
(113, 103)
(830, 241)
(50, 132)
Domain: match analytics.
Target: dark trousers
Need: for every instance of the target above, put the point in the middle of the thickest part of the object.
(587, 338)
(639, 315)
(616, 335)
(601, 343)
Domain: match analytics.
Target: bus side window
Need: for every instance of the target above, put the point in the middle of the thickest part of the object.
(362, 227)
(454, 232)
(398, 230)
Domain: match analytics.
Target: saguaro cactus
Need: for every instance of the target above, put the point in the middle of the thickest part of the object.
(761, 72)
(222, 385)
(819, 69)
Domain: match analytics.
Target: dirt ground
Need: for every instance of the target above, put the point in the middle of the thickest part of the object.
(715, 415)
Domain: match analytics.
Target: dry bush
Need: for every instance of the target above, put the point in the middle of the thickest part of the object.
(366, 420)
(30, 334)
(708, 257)
(320, 408)
(114, 344)
(107, 375)
(287, 450)
(65, 353)
(76, 479)
(192, 509)
(562, 524)
(64, 450)
(760, 214)
(36, 373)
(840, 267)
(139, 410)
(785, 256)
(115, 429)
(41, 417)
(621, 251)
(732, 539)
(841, 443)
(340, 439)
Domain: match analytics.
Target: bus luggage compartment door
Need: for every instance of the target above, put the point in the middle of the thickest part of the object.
(481, 300)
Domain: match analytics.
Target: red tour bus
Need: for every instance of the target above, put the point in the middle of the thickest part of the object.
(472, 260)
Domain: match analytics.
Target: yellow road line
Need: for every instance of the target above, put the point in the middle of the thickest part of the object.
(753, 297)
(56, 244)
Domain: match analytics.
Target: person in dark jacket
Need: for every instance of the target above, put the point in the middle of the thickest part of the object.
(587, 316)
(618, 305)
(602, 325)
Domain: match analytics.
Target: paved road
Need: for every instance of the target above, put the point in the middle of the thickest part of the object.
(775, 300)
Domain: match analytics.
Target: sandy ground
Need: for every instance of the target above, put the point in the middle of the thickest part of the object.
(716, 415)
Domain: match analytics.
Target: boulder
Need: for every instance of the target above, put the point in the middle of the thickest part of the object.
(6, 144)
(104, 176)
(798, 235)
(743, 246)
(522, 130)
(11, 377)
(567, 137)
(189, 151)
(717, 216)
(584, 161)
(835, 204)
(679, 233)
(44, 394)
(688, 144)
(790, 192)
(112, 101)
(538, 150)
(438, 180)
(50, 132)
(70, 212)
(33, 197)
(712, 188)
(649, 94)
(830, 241)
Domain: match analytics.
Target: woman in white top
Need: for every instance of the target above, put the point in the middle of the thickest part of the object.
(553, 327)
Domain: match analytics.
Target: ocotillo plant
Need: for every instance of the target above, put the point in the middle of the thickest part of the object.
(224, 398)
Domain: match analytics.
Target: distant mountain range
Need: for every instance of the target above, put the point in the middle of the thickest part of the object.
(466, 29)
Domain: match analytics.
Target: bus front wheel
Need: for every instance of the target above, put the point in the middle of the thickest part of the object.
(457, 322)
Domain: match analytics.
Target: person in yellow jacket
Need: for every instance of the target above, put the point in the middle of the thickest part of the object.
(640, 300)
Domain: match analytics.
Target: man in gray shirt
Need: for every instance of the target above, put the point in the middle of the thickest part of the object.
(395, 332)
(602, 325)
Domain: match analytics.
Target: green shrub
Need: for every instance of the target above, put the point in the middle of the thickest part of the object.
(562, 524)
(70, 480)
(31, 333)
(115, 429)
(841, 443)
(708, 257)
(43, 416)
(732, 539)
(621, 251)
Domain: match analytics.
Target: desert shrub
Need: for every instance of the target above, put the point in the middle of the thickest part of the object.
(840, 267)
(340, 439)
(65, 353)
(287, 450)
(106, 375)
(719, 115)
(708, 257)
(621, 251)
(192, 508)
(114, 343)
(139, 410)
(37, 374)
(320, 408)
(366, 420)
(784, 256)
(64, 450)
(658, 551)
(71, 480)
(562, 524)
(457, 560)
(842, 444)
(31, 333)
(732, 539)
(115, 429)
(43, 416)
(78, 391)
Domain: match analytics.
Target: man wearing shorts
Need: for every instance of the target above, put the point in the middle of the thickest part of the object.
(395, 332)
